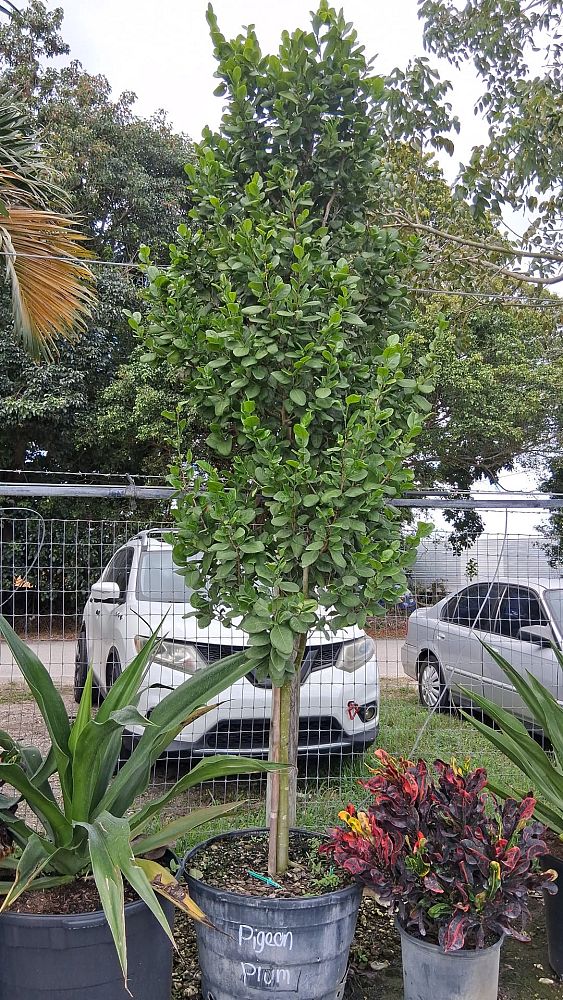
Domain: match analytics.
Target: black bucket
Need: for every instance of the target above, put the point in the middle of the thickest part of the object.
(554, 915)
(280, 946)
(73, 956)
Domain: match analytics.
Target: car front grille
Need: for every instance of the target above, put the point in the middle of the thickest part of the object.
(315, 658)
(254, 734)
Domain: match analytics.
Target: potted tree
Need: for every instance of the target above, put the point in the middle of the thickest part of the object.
(543, 769)
(454, 865)
(283, 309)
(66, 923)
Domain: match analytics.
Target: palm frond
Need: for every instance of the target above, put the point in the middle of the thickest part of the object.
(51, 288)
(26, 176)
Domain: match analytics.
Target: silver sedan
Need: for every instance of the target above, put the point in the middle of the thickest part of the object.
(520, 619)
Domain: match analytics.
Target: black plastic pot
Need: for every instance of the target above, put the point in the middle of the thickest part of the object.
(554, 915)
(281, 946)
(73, 956)
(430, 973)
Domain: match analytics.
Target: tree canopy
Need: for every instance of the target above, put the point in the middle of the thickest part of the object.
(514, 46)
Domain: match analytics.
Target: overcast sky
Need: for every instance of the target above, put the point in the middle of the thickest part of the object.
(161, 50)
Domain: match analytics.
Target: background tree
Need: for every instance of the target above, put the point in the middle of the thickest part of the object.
(125, 179)
(516, 51)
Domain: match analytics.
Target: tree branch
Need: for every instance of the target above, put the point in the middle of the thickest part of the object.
(404, 223)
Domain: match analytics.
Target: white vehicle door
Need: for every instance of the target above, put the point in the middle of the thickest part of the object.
(519, 608)
(102, 616)
(464, 620)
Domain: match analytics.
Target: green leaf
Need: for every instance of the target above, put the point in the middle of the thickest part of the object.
(168, 718)
(167, 835)
(353, 320)
(48, 700)
(97, 753)
(125, 690)
(109, 883)
(251, 547)
(309, 557)
(209, 769)
(84, 713)
(35, 857)
(282, 639)
(222, 445)
(298, 397)
(252, 624)
(252, 310)
(45, 808)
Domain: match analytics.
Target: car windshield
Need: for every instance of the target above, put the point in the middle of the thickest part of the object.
(554, 601)
(159, 579)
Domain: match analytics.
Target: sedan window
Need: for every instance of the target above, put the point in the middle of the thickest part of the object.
(554, 601)
(462, 608)
(474, 607)
(519, 608)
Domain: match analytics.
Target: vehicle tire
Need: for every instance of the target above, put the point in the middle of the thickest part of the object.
(113, 668)
(432, 690)
(81, 669)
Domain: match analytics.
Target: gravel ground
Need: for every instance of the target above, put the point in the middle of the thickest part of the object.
(20, 717)
(375, 961)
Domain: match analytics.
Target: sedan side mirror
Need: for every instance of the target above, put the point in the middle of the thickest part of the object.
(539, 635)
(105, 591)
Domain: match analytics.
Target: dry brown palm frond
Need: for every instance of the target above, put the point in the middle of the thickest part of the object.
(52, 292)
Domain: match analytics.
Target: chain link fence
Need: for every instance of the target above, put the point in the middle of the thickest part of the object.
(89, 590)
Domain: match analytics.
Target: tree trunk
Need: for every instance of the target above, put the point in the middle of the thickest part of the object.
(282, 785)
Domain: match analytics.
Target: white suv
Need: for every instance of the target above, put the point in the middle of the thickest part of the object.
(339, 677)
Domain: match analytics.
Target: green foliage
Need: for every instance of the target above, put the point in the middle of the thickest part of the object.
(124, 176)
(97, 829)
(515, 49)
(295, 355)
(510, 736)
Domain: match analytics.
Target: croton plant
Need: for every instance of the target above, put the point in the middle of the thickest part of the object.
(456, 865)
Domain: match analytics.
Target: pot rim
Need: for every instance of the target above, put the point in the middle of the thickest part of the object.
(467, 954)
(303, 902)
(91, 915)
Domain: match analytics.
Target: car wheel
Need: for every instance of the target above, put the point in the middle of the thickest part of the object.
(432, 690)
(113, 668)
(81, 669)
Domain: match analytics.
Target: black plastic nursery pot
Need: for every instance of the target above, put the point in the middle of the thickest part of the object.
(291, 947)
(554, 915)
(430, 973)
(72, 956)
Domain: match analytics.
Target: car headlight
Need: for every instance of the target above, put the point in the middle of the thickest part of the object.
(356, 654)
(174, 655)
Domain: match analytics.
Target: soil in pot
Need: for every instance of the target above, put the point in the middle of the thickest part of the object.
(233, 865)
(293, 937)
(80, 896)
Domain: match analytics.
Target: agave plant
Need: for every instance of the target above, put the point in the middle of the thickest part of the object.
(44, 254)
(544, 770)
(91, 827)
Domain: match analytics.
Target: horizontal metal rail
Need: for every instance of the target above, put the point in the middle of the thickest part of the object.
(131, 491)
